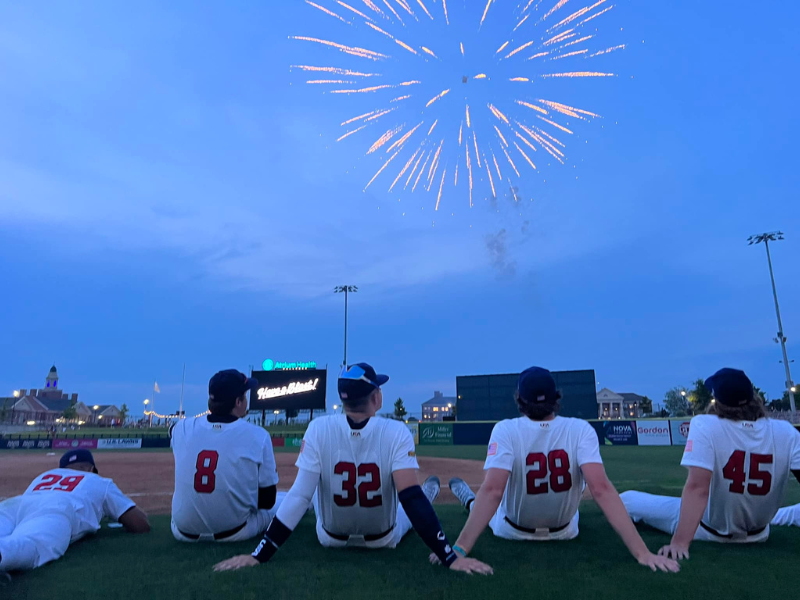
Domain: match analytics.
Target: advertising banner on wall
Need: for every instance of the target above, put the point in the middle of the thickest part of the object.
(680, 431)
(653, 433)
(436, 434)
(60, 444)
(32, 444)
(619, 433)
(119, 443)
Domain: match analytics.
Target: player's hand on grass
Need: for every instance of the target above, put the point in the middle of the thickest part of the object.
(675, 550)
(660, 562)
(235, 563)
(465, 565)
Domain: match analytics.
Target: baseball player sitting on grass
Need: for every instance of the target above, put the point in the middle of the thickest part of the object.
(536, 469)
(226, 480)
(59, 507)
(356, 467)
(739, 463)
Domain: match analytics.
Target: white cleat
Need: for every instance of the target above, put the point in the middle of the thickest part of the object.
(461, 491)
(431, 488)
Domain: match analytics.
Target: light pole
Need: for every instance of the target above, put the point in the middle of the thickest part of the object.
(766, 238)
(146, 402)
(95, 407)
(345, 289)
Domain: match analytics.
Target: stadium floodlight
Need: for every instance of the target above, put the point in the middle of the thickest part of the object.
(345, 289)
(766, 238)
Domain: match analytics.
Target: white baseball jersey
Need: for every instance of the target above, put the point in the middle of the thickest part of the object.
(750, 462)
(544, 458)
(356, 493)
(218, 470)
(83, 497)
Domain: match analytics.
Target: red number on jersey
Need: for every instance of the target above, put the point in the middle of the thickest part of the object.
(204, 479)
(350, 495)
(65, 484)
(734, 471)
(560, 477)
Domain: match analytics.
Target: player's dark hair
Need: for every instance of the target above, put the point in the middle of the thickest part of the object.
(358, 404)
(222, 407)
(538, 411)
(752, 411)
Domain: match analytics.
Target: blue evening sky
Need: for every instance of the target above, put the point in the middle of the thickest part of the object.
(171, 191)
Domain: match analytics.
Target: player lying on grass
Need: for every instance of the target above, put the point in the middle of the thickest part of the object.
(356, 467)
(739, 463)
(226, 480)
(59, 507)
(536, 470)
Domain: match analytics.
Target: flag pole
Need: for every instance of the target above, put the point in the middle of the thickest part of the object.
(183, 381)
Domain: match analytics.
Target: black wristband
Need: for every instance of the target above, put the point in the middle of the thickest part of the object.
(426, 523)
(274, 537)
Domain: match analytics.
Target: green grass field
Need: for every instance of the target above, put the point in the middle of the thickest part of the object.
(595, 566)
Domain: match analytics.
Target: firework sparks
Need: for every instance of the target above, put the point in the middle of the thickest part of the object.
(607, 50)
(405, 168)
(350, 8)
(437, 97)
(384, 139)
(352, 50)
(485, 12)
(511, 162)
(425, 8)
(531, 106)
(333, 70)
(327, 12)
(499, 133)
(525, 156)
(496, 166)
(578, 74)
(386, 164)
(491, 179)
(441, 186)
(349, 133)
(422, 161)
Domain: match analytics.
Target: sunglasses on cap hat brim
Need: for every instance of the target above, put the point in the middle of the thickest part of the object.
(356, 373)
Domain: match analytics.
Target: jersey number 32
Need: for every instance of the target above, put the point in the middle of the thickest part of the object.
(352, 494)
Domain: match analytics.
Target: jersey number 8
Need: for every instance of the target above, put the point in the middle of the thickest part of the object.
(205, 481)
(349, 495)
(557, 462)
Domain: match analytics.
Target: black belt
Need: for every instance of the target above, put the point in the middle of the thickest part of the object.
(729, 536)
(217, 536)
(526, 530)
(373, 537)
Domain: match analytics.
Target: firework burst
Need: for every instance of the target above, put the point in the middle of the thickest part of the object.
(468, 88)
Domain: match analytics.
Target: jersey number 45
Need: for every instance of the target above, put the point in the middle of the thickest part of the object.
(352, 494)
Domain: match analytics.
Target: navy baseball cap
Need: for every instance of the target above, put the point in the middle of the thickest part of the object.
(730, 387)
(358, 381)
(79, 455)
(536, 385)
(227, 385)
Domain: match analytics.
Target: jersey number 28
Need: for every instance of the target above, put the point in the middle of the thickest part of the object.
(350, 495)
(735, 472)
(557, 463)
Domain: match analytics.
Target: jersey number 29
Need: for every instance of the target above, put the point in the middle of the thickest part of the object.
(205, 481)
(557, 462)
(350, 495)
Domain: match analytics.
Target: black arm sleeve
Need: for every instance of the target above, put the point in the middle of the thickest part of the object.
(267, 496)
(426, 523)
(274, 537)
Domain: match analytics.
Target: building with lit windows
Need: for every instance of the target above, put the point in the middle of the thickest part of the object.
(438, 407)
(611, 405)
